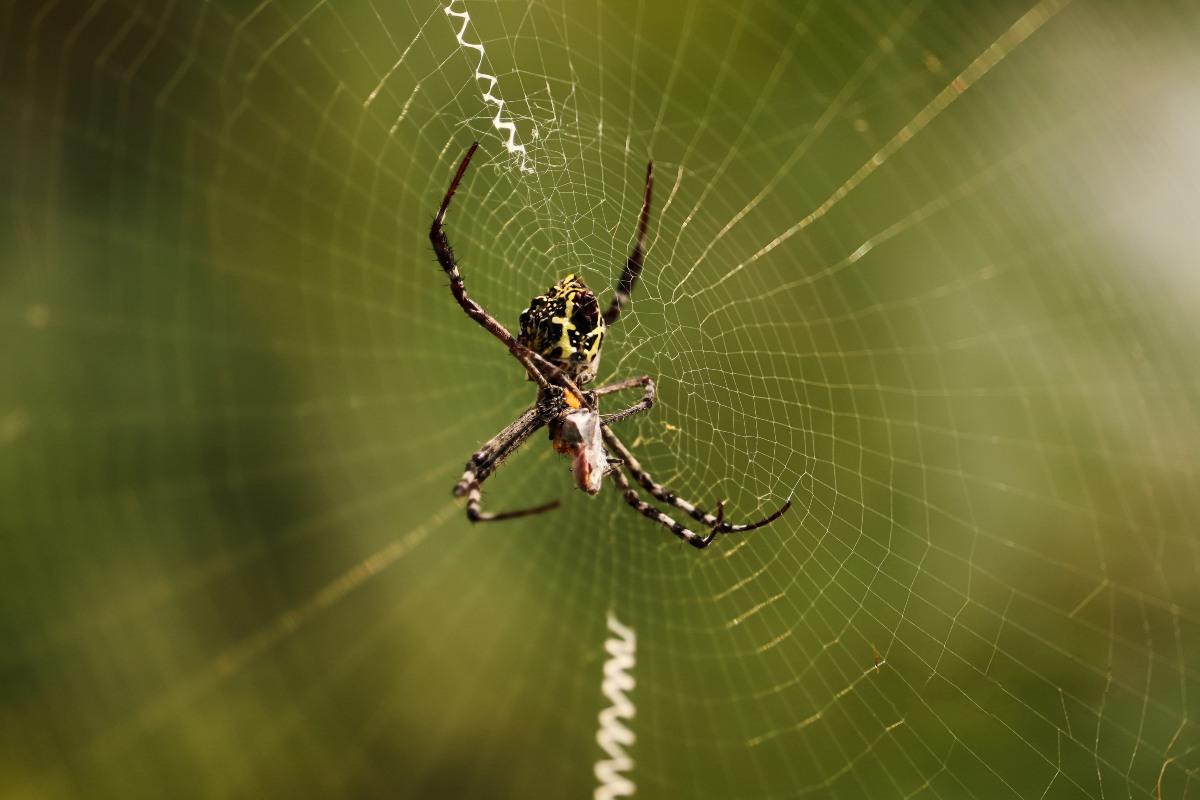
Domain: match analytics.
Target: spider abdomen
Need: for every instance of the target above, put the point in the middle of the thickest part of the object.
(565, 326)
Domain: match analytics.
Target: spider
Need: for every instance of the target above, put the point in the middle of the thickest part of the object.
(559, 342)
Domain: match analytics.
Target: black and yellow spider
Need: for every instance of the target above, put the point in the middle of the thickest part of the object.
(559, 344)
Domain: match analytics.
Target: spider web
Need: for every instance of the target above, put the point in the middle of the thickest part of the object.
(929, 267)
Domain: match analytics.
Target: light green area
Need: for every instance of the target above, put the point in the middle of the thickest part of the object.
(236, 394)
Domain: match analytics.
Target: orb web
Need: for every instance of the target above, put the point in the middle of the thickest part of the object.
(925, 269)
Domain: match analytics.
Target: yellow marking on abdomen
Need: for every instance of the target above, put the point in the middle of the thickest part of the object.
(565, 324)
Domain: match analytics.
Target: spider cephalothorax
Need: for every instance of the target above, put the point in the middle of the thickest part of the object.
(559, 345)
(565, 326)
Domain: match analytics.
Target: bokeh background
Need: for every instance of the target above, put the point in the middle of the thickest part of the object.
(930, 266)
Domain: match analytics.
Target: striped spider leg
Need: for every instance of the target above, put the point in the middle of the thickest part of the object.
(484, 461)
(716, 523)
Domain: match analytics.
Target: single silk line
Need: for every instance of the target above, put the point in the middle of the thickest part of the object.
(498, 121)
(1028, 24)
(613, 736)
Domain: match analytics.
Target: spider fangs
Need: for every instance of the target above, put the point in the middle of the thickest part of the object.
(559, 342)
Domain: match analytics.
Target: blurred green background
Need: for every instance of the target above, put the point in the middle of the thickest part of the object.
(931, 265)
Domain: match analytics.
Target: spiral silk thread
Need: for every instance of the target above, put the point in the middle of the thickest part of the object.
(613, 735)
(498, 122)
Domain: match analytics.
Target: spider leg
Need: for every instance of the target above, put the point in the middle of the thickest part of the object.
(716, 523)
(445, 257)
(484, 462)
(650, 512)
(474, 514)
(647, 384)
(633, 266)
(553, 370)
